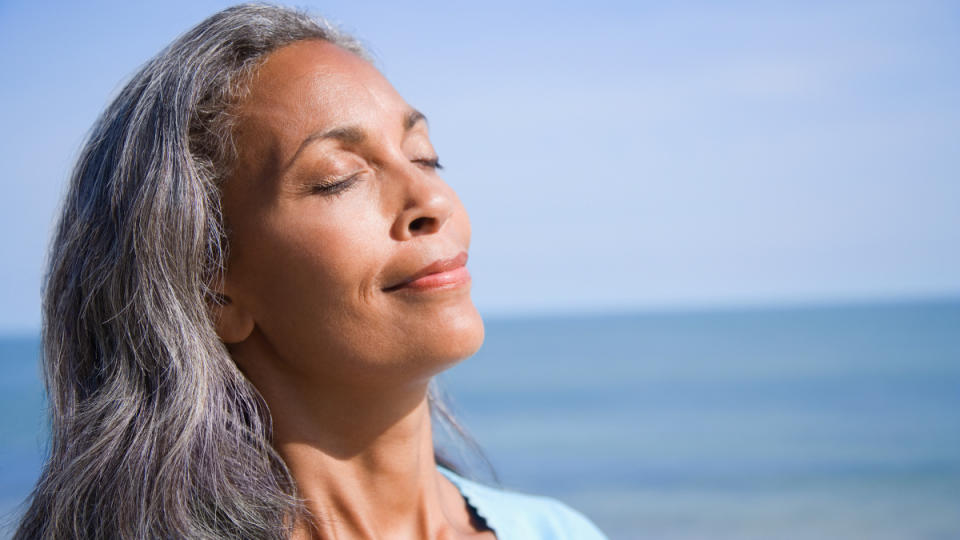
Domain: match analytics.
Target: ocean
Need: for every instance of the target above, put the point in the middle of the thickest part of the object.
(831, 422)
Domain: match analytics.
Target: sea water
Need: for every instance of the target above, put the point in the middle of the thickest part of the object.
(817, 423)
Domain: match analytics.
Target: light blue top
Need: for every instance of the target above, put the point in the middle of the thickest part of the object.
(514, 516)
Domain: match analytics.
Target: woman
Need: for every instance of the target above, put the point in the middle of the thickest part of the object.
(256, 274)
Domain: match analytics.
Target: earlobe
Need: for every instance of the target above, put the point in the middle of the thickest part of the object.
(233, 323)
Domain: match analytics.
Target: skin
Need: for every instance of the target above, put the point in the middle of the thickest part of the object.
(343, 363)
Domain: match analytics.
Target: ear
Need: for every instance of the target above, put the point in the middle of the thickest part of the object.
(233, 323)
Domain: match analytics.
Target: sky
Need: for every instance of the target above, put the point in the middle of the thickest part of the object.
(612, 155)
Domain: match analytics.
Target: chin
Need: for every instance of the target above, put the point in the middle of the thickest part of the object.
(453, 337)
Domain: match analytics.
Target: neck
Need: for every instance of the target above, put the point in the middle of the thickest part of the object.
(362, 458)
(390, 488)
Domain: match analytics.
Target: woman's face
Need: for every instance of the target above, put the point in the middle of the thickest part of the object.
(333, 212)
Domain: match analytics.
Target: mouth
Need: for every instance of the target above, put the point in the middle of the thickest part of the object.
(440, 274)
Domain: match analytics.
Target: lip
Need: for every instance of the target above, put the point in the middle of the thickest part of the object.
(440, 274)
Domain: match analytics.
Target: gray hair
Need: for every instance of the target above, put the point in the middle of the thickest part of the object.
(155, 431)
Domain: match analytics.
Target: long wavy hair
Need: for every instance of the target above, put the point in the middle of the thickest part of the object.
(155, 431)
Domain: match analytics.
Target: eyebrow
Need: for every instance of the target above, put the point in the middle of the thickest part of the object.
(351, 134)
(411, 119)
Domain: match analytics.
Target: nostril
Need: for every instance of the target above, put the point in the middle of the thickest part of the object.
(421, 224)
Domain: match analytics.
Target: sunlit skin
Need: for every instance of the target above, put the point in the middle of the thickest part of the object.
(311, 312)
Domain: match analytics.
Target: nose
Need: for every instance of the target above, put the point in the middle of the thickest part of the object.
(427, 203)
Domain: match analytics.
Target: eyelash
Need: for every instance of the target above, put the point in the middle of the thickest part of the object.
(432, 163)
(338, 187)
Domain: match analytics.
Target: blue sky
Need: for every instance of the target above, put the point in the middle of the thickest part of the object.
(612, 155)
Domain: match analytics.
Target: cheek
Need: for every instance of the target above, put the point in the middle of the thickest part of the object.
(310, 278)
(460, 220)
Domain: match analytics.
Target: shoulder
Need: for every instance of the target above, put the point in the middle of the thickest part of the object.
(519, 516)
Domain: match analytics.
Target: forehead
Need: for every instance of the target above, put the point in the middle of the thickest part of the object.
(311, 84)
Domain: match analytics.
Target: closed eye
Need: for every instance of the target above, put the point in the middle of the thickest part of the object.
(430, 163)
(335, 187)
